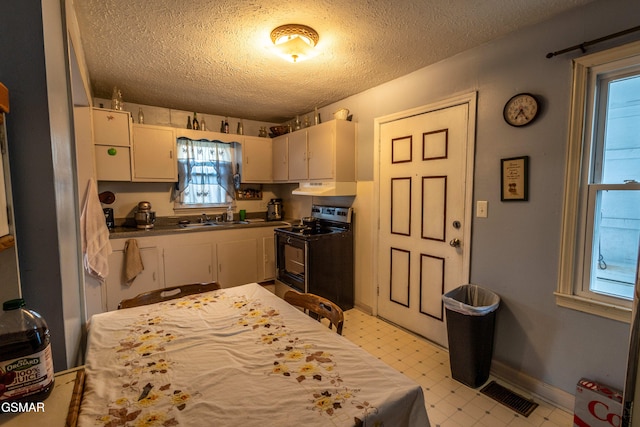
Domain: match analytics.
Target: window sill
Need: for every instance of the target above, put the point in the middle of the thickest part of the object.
(610, 311)
(221, 208)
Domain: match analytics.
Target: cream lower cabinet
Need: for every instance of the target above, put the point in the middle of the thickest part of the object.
(188, 263)
(237, 262)
(246, 256)
(230, 257)
(268, 258)
(149, 279)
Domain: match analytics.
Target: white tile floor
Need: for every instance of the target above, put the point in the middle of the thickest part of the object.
(449, 403)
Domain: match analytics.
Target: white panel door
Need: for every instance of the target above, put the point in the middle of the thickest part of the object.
(423, 235)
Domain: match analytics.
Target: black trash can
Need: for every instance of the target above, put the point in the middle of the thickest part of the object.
(471, 312)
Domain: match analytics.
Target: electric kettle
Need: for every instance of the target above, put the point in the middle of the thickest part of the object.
(274, 210)
(145, 217)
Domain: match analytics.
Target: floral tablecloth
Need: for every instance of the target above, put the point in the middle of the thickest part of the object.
(236, 357)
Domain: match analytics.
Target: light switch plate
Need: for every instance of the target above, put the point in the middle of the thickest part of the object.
(482, 208)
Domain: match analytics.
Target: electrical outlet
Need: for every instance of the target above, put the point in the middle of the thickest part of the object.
(481, 209)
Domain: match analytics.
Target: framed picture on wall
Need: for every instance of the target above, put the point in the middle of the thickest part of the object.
(514, 178)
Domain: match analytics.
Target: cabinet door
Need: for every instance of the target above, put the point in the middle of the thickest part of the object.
(188, 264)
(321, 142)
(154, 158)
(256, 159)
(298, 155)
(269, 258)
(237, 262)
(113, 163)
(111, 127)
(148, 280)
(280, 158)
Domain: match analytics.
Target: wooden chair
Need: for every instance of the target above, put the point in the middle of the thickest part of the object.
(321, 307)
(166, 294)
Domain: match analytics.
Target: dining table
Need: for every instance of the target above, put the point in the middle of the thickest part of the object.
(237, 356)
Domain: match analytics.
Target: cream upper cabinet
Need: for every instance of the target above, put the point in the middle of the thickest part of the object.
(111, 127)
(257, 163)
(323, 152)
(280, 158)
(332, 151)
(207, 134)
(154, 154)
(112, 141)
(298, 155)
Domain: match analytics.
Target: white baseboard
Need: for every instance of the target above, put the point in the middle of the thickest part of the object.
(537, 388)
(364, 308)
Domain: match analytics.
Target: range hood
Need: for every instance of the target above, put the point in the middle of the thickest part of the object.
(329, 188)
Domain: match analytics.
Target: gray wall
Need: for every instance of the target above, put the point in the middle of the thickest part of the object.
(42, 168)
(515, 250)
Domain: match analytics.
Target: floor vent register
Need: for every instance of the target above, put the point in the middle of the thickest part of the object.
(509, 399)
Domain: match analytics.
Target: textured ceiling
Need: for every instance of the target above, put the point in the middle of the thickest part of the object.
(213, 56)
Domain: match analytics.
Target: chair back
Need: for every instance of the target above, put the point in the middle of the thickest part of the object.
(166, 294)
(321, 307)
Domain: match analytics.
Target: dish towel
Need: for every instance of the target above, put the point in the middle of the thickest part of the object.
(96, 247)
(132, 261)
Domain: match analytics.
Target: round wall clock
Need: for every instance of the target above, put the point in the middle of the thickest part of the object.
(521, 109)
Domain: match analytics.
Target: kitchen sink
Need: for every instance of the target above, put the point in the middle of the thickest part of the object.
(210, 224)
(200, 224)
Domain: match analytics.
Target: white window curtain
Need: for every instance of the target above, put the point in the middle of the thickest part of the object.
(205, 173)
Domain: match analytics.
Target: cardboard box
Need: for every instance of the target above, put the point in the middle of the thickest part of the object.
(597, 405)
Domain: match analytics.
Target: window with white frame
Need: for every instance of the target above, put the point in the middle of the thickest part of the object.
(205, 174)
(601, 217)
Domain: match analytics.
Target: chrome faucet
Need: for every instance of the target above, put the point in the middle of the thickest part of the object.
(204, 218)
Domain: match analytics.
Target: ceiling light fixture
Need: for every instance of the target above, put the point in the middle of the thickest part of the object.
(294, 42)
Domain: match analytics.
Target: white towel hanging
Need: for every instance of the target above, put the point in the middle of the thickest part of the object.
(96, 247)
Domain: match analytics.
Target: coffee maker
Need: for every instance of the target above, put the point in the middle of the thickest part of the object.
(108, 216)
(274, 210)
(145, 217)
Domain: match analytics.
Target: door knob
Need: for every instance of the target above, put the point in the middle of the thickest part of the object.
(455, 243)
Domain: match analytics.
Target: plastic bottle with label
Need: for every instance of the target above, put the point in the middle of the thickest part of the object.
(26, 363)
(229, 213)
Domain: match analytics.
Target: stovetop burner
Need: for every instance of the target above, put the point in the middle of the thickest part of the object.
(328, 220)
(311, 231)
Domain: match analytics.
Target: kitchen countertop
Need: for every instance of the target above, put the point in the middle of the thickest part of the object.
(172, 227)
